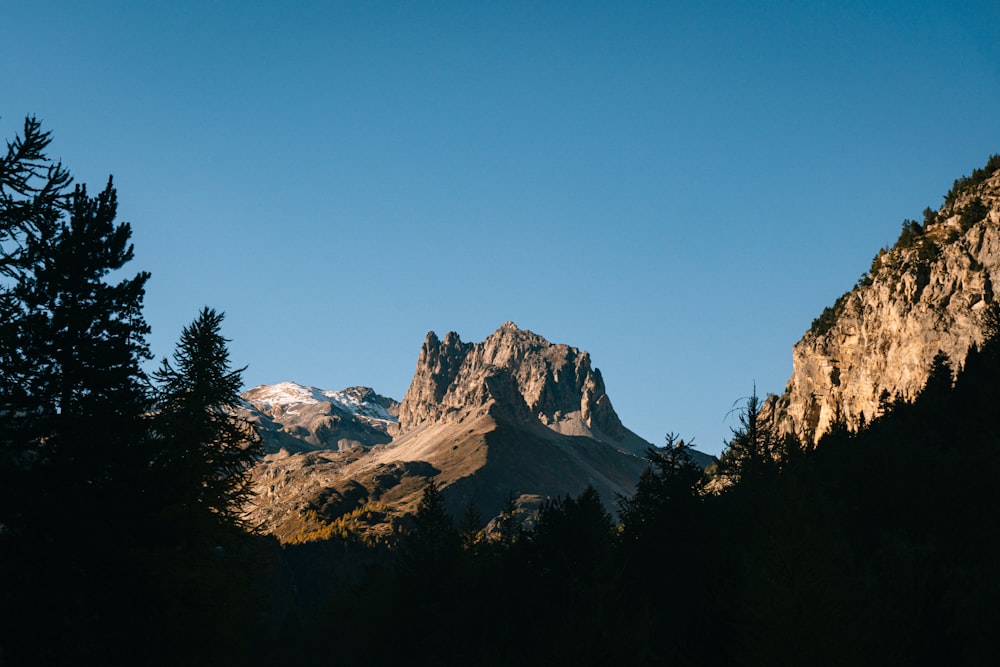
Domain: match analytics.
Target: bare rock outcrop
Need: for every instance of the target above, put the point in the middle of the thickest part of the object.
(517, 372)
(925, 295)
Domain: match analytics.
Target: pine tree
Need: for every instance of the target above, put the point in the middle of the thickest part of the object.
(470, 528)
(204, 450)
(432, 523)
(757, 449)
(666, 490)
(74, 456)
(508, 523)
(574, 535)
(32, 193)
(32, 200)
(72, 389)
(940, 379)
(433, 545)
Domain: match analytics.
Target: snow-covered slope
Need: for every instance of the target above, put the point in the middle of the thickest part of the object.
(299, 418)
(289, 396)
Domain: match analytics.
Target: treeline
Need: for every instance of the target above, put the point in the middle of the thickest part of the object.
(875, 547)
(121, 541)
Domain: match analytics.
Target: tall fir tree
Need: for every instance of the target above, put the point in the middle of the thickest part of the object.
(757, 449)
(204, 449)
(72, 390)
(470, 528)
(666, 490)
(33, 193)
(434, 540)
(74, 457)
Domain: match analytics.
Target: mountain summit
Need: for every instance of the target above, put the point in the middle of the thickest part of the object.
(514, 417)
(513, 375)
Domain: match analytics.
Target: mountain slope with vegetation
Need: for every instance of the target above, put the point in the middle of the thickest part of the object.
(923, 296)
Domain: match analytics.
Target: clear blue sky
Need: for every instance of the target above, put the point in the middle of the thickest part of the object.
(677, 187)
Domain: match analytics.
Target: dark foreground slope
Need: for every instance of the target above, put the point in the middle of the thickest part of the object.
(875, 547)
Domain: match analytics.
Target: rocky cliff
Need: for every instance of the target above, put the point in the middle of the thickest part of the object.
(513, 374)
(924, 295)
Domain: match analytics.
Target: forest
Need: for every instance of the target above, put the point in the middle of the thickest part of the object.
(122, 541)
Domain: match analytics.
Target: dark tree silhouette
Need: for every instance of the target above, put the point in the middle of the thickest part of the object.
(432, 519)
(433, 543)
(940, 379)
(665, 490)
(32, 199)
(73, 344)
(470, 528)
(757, 449)
(83, 479)
(73, 407)
(32, 193)
(508, 523)
(573, 537)
(204, 451)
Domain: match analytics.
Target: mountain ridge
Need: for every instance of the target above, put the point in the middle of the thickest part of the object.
(299, 418)
(513, 417)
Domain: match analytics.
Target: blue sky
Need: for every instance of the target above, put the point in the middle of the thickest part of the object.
(679, 188)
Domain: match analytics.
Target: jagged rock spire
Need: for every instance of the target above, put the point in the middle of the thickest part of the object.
(516, 372)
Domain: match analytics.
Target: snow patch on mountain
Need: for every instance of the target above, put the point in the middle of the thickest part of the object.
(358, 401)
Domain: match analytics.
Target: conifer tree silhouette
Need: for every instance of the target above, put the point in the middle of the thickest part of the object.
(72, 389)
(204, 451)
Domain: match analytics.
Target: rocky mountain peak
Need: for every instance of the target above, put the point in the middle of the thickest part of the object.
(513, 414)
(513, 374)
(924, 295)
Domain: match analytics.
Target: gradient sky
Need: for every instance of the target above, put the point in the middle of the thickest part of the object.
(678, 187)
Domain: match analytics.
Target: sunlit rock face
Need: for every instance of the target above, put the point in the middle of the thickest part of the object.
(513, 374)
(884, 334)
